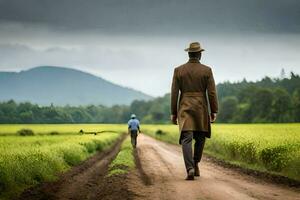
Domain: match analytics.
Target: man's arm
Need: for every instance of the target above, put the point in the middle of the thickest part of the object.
(174, 97)
(138, 126)
(212, 96)
(129, 126)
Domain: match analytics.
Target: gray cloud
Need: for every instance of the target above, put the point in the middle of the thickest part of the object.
(157, 17)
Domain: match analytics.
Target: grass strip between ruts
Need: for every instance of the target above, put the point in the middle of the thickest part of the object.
(124, 160)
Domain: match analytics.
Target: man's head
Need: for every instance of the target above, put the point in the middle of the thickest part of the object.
(133, 116)
(195, 55)
(195, 50)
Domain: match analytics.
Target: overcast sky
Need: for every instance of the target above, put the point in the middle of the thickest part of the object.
(137, 43)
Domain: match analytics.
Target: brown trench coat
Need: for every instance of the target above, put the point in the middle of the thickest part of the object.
(193, 82)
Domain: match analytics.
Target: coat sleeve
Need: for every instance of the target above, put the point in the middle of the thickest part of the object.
(212, 93)
(174, 94)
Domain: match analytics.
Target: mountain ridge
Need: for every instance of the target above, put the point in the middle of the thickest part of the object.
(64, 86)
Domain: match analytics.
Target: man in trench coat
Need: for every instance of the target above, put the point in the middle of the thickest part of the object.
(193, 83)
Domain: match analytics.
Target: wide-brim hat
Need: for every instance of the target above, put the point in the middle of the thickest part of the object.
(194, 47)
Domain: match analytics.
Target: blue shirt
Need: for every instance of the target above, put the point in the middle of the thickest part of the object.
(134, 124)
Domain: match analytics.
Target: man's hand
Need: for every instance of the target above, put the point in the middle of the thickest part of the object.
(213, 117)
(174, 119)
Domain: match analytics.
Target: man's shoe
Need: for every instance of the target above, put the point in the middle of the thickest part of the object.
(190, 175)
(197, 171)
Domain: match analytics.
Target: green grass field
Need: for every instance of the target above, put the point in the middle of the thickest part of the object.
(28, 160)
(274, 148)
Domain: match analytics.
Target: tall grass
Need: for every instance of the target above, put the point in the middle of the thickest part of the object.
(273, 148)
(124, 160)
(26, 161)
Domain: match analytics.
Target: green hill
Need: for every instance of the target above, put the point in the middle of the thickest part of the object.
(61, 86)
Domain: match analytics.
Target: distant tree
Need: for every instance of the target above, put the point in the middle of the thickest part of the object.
(261, 105)
(246, 94)
(281, 106)
(243, 114)
(290, 84)
(266, 82)
(79, 115)
(9, 110)
(228, 109)
(26, 117)
(160, 109)
(296, 105)
(140, 108)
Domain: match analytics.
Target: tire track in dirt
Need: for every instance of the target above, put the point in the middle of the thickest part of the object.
(144, 177)
(163, 164)
(160, 175)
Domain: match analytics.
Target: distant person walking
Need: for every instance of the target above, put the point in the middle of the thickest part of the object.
(195, 82)
(134, 129)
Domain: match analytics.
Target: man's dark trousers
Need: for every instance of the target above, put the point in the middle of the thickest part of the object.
(133, 134)
(186, 142)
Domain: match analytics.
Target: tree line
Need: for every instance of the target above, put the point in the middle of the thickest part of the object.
(266, 100)
(156, 111)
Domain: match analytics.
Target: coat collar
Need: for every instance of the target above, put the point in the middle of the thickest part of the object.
(194, 60)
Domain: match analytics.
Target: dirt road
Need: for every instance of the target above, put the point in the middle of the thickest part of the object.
(161, 174)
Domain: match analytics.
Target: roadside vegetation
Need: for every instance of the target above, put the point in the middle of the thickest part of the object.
(27, 161)
(124, 160)
(272, 148)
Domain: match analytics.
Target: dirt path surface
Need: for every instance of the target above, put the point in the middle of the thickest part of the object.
(161, 173)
